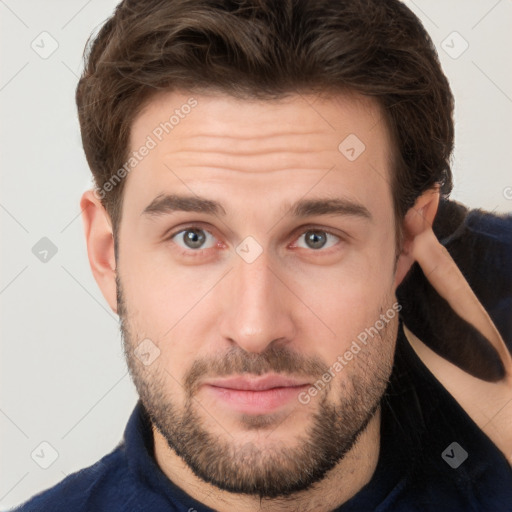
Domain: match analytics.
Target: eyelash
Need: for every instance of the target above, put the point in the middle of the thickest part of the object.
(200, 252)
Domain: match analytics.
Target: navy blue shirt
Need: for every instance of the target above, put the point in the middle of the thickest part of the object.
(425, 434)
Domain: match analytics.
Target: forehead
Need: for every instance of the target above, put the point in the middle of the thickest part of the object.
(330, 117)
(249, 147)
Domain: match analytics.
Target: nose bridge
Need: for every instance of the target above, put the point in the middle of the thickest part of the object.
(256, 311)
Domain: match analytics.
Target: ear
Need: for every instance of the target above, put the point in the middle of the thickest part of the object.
(100, 246)
(418, 219)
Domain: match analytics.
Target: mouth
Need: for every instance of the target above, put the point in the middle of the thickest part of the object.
(255, 395)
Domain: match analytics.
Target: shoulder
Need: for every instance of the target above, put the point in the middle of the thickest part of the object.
(449, 462)
(479, 241)
(106, 480)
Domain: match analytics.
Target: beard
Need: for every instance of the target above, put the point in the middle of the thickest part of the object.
(273, 470)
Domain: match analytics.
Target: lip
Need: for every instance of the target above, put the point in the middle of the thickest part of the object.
(260, 383)
(257, 395)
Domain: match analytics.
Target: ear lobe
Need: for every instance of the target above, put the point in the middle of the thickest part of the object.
(100, 246)
(404, 263)
(418, 219)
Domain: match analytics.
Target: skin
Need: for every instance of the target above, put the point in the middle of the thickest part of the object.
(293, 310)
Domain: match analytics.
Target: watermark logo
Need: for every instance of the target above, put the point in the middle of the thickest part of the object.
(351, 147)
(249, 249)
(147, 352)
(454, 45)
(44, 250)
(44, 455)
(454, 455)
(45, 45)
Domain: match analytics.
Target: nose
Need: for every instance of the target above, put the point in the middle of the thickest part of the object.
(258, 306)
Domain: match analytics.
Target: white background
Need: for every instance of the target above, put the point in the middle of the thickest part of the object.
(63, 375)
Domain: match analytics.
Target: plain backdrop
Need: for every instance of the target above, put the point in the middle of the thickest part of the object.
(64, 382)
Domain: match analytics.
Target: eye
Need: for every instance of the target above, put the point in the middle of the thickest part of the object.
(196, 239)
(193, 238)
(317, 239)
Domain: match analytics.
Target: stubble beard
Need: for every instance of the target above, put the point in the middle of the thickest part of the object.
(274, 470)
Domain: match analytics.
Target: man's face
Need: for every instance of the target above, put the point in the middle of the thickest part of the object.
(263, 287)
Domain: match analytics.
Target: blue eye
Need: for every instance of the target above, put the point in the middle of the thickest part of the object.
(193, 238)
(317, 239)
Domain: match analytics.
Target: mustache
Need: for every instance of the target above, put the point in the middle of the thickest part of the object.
(238, 362)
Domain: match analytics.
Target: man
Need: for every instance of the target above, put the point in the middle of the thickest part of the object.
(266, 175)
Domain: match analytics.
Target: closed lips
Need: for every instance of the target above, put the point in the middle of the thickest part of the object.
(256, 384)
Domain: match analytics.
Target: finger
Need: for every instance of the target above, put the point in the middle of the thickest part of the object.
(444, 275)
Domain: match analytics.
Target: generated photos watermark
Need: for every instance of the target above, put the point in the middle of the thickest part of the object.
(343, 360)
(151, 142)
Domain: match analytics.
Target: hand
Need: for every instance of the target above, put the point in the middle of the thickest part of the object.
(446, 278)
(489, 404)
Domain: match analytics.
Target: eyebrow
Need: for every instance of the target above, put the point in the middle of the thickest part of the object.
(169, 203)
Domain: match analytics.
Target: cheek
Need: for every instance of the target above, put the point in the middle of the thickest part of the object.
(158, 290)
(352, 290)
(348, 311)
(170, 307)
(347, 301)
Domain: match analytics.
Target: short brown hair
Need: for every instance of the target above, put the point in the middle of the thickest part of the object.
(267, 49)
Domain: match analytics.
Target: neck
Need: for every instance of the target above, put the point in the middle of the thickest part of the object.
(347, 478)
